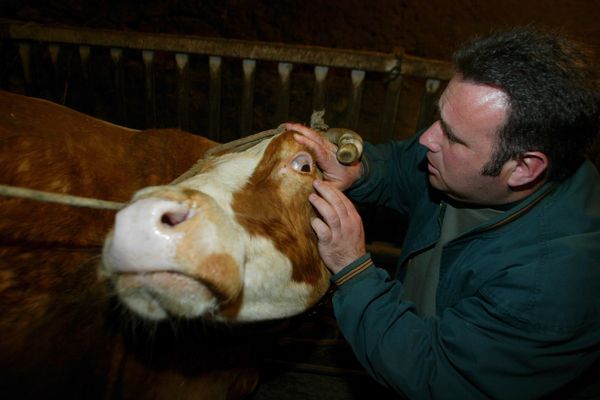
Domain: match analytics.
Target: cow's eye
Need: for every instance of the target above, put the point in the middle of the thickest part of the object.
(302, 163)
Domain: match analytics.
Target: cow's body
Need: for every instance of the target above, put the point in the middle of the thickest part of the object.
(63, 332)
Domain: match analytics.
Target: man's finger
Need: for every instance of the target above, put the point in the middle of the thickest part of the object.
(304, 130)
(333, 196)
(310, 137)
(327, 212)
(322, 230)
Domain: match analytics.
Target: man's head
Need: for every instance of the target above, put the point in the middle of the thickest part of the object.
(553, 91)
(546, 95)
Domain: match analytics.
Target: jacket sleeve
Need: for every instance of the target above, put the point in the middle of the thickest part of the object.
(472, 351)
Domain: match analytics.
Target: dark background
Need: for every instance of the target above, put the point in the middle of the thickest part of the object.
(429, 28)
(425, 28)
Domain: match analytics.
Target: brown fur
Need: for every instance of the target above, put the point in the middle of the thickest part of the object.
(268, 208)
(59, 334)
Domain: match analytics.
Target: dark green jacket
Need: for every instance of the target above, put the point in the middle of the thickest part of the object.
(518, 300)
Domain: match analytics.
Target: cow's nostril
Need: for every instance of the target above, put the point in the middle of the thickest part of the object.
(174, 218)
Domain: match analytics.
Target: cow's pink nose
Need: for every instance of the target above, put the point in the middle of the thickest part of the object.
(144, 238)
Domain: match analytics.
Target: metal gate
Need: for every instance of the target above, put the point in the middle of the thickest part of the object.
(220, 88)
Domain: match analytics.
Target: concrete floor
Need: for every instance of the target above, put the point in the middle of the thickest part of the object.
(316, 363)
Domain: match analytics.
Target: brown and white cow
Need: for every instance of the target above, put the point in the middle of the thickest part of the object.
(230, 244)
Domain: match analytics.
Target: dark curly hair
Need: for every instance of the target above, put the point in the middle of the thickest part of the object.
(553, 90)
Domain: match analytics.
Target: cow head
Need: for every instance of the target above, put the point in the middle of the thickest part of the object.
(231, 243)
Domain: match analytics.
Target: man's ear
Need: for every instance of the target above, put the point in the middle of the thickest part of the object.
(528, 170)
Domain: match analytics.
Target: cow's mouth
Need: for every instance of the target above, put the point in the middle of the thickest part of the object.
(158, 295)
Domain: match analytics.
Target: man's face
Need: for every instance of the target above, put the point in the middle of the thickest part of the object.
(462, 141)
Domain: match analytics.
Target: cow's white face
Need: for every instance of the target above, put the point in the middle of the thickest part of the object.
(232, 243)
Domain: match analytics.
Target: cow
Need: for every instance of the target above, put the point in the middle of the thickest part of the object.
(178, 298)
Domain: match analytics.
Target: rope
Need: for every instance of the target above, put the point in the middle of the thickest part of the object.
(76, 201)
(316, 122)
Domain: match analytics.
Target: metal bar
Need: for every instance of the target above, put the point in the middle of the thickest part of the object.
(25, 54)
(297, 54)
(390, 107)
(428, 103)
(319, 89)
(426, 68)
(54, 50)
(214, 128)
(283, 100)
(116, 54)
(357, 77)
(249, 68)
(149, 93)
(183, 119)
(84, 57)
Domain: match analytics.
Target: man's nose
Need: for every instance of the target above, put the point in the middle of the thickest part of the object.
(430, 138)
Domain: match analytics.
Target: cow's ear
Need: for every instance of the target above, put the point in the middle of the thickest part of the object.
(528, 169)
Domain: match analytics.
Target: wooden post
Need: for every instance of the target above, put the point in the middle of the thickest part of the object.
(249, 68)
(319, 91)
(86, 72)
(25, 54)
(54, 50)
(428, 103)
(149, 91)
(357, 78)
(390, 106)
(183, 113)
(214, 128)
(116, 54)
(283, 98)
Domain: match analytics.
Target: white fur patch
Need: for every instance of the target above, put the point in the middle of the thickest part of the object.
(269, 291)
(228, 175)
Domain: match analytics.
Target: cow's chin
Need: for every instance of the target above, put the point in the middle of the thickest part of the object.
(163, 294)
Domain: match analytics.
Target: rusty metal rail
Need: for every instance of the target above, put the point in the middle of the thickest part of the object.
(392, 67)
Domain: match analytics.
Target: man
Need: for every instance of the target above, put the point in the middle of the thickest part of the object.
(498, 294)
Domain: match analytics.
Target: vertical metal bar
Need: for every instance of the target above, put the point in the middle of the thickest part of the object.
(54, 50)
(25, 54)
(319, 91)
(283, 101)
(84, 56)
(183, 119)
(149, 99)
(88, 99)
(357, 77)
(390, 106)
(214, 64)
(249, 68)
(116, 55)
(426, 115)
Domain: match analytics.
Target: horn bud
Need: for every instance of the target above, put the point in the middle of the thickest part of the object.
(349, 143)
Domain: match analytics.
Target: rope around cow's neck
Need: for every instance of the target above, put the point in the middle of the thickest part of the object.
(79, 201)
(233, 146)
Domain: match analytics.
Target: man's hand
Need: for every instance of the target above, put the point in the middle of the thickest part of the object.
(341, 176)
(339, 230)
